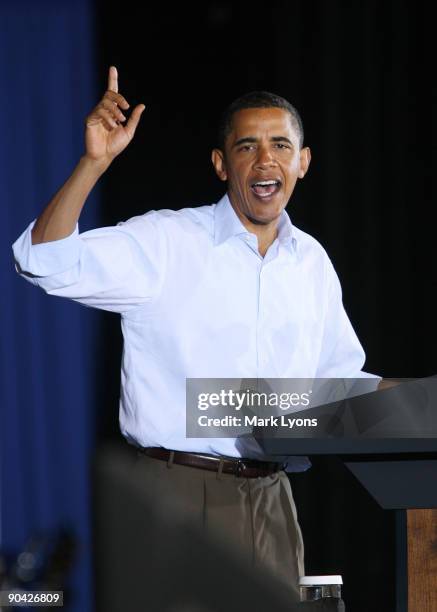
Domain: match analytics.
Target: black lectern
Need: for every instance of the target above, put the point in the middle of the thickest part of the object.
(399, 472)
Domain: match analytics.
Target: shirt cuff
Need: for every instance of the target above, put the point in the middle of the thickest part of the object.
(46, 258)
(372, 380)
(363, 374)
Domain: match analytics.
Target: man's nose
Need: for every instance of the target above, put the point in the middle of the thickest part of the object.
(265, 158)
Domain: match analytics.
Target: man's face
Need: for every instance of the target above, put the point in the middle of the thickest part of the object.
(261, 162)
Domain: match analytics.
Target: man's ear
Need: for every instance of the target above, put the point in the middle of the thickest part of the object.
(218, 161)
(305, 158)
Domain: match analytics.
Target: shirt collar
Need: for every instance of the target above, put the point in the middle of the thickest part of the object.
(227, 224)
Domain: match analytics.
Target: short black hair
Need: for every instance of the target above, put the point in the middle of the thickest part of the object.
(257, 99)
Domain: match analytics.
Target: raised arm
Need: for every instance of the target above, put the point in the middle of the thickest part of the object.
(105, 138)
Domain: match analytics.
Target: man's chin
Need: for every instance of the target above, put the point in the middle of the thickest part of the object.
(265, 214)
(264, 219)
(257, 211)
(268, 210)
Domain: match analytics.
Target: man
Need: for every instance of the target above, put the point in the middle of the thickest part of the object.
(219, 291)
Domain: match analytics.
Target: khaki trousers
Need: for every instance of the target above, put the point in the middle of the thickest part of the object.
(256, 516)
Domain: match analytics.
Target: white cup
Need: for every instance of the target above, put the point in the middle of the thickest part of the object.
(319, 587)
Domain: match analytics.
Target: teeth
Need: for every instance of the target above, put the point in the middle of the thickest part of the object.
(267, 183)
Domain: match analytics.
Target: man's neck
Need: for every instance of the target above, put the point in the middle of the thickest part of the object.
(266, 234)
(266, 238)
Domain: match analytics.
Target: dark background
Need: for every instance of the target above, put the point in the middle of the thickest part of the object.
(360, 73)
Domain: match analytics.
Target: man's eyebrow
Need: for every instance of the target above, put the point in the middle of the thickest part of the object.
(245, 140)
(281, 139)
(252, 139)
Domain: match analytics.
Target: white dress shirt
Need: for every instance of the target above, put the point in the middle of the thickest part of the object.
(197, 300)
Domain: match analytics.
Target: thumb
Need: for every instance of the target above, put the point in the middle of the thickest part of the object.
(134, 119)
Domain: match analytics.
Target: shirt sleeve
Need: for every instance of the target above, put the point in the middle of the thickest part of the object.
(342, 355)
(112, 268)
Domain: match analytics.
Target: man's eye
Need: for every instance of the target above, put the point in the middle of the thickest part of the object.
(281, 145)
(246, 147)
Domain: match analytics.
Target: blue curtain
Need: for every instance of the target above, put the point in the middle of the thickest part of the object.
(48, 346)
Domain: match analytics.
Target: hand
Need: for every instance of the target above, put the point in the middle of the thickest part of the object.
(387, 383)
(105, 137)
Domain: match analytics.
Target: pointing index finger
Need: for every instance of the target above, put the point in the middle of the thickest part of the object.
(113, 79)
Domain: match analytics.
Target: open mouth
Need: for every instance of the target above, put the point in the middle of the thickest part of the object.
(266, 189)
